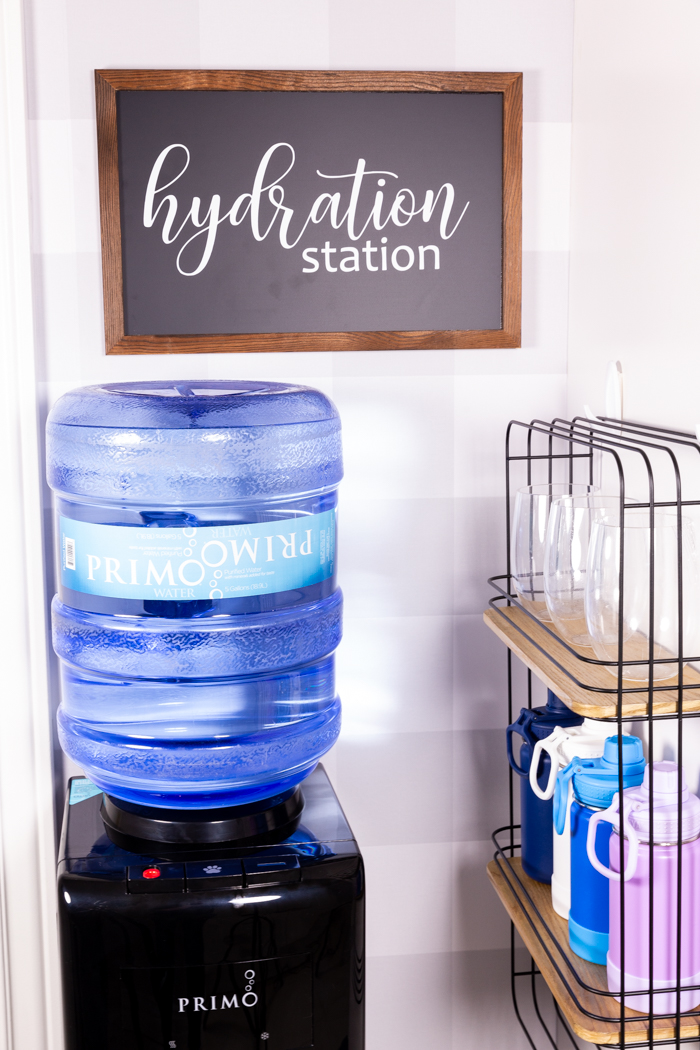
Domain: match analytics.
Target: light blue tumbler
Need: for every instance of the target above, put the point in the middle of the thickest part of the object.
(595, 782)
(198, 611)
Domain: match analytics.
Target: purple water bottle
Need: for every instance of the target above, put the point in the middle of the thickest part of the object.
(636, 848)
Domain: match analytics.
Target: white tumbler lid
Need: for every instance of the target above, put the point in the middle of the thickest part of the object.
(584, 741)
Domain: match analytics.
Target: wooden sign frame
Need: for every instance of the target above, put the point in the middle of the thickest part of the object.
(109, 82)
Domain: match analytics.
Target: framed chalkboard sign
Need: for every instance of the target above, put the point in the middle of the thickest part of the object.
(253, 211)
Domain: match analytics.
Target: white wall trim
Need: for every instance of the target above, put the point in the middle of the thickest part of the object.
(29, 981)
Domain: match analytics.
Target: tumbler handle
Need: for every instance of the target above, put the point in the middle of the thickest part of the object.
(612, 816)
(561, 793)
(548, 744)
(521, 726)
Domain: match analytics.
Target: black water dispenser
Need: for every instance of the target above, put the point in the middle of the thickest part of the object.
(243, 932)
(210, 889)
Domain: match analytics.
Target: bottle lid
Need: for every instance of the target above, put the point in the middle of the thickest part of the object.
(596, 780)
(584, 741)
(667, 780)
(539, 722)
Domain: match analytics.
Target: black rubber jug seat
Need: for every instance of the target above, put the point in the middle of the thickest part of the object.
(145, 829)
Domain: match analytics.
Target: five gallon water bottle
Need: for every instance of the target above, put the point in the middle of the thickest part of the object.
(638, 835)
(586, 741)
(198, 612)
(535, 814)
(595, 781)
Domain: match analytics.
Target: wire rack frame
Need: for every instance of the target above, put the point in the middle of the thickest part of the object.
(570, 451)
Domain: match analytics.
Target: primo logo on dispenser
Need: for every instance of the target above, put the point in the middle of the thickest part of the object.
(220, 1002)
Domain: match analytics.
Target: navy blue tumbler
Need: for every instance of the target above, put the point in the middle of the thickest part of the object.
(536, 815)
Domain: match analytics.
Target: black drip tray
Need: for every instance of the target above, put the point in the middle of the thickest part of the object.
(140, 828)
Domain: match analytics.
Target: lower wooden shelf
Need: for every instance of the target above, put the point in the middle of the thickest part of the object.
(553, 930)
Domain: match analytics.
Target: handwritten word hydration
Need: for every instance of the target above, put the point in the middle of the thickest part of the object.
(247, 206)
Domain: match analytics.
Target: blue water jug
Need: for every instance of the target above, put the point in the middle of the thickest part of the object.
(535, 724)
(198, 609)
(595, 781)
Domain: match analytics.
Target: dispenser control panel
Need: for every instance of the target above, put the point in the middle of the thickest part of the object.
(269, 869)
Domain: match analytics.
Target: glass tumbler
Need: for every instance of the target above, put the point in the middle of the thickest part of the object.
(627, 611)
(529, 537)
(566, 556)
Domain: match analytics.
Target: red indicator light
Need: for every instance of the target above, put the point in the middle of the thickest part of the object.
(151, 873)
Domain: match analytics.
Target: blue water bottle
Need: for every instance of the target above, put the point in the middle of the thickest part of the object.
(198, 610)
(595, 781)
(535, 724)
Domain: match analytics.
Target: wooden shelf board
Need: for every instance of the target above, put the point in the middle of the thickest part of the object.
(554, 932)
(505, 621)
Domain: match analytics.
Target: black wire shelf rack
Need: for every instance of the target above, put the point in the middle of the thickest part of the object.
(655, 470)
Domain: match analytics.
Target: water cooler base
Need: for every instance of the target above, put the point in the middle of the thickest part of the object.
(254, 942)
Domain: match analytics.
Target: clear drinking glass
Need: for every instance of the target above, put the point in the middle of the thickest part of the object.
(566, 556)
(635, 614)
(529, 537)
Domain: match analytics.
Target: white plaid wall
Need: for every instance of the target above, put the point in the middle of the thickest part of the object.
(420, 767)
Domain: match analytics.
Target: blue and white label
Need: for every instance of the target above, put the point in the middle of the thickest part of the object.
(216, 561)
(82, 788)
